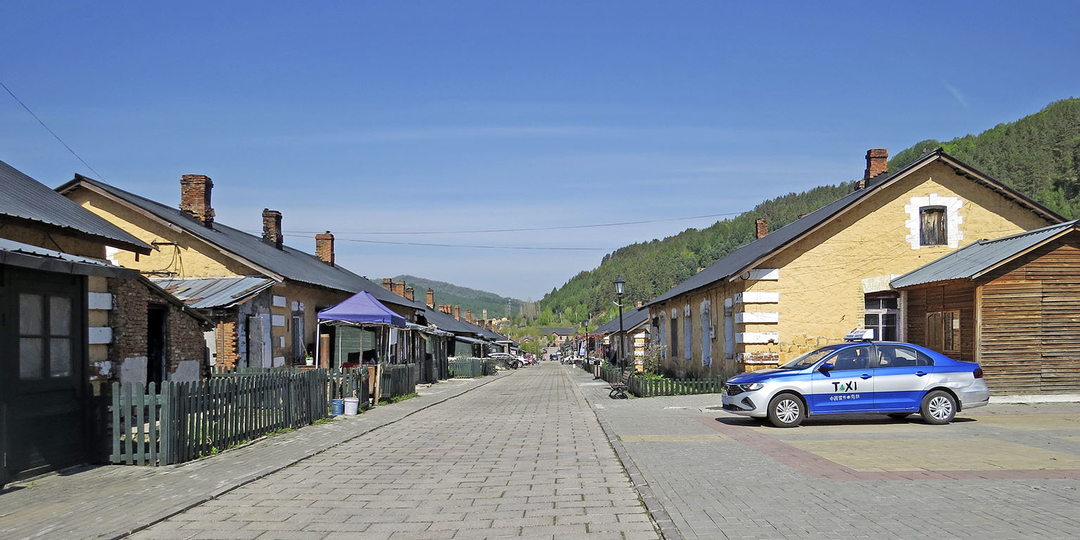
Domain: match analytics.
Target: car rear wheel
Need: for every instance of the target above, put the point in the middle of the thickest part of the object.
(786, 410)
(938, 407)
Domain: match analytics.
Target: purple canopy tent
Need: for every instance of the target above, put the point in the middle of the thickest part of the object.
(360, 309)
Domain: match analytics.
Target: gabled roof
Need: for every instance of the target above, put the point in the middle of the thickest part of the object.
(631, 320)
(977, 259)
(281, 264)
(26, 199)
(750, 255)
(215, 292)
(447, 322)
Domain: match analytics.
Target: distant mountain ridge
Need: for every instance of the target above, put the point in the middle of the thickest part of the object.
(1038, 155)
(469, 299)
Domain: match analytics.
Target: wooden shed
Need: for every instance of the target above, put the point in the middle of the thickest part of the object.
(1011, 304)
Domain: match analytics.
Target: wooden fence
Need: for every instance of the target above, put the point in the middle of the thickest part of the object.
(647, 387)
(472, 367)
(397, 380)
(183, 421)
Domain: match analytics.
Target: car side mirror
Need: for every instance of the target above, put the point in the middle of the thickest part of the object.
(826, 367)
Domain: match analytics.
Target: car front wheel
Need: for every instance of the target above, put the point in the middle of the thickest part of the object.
(938, 407)
(786, 410)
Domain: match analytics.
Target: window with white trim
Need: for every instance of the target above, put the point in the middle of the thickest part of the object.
(882, 314)
(932, 227)
(706, 333)
(687, 333)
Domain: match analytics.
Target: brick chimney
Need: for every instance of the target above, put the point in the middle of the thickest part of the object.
(430, 299)
(388, 284)
(640, 303)
(877, 162)
(445, 308)
(410, 293)
(272, 227)
(468, 315)
(485, 314)
(457, 313)
(762, 227)
(195, 197)
(324, 247)
(399, 289)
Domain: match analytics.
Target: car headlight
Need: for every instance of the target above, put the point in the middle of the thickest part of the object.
(750, 387)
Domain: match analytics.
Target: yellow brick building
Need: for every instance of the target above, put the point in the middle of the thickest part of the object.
(263, 295)
(807, 284)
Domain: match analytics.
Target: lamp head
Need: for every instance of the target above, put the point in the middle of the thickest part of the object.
(620, 285)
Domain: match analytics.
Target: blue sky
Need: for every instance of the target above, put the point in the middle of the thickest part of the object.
(361, 117)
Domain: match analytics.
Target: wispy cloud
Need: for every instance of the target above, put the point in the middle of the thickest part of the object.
(956, 94)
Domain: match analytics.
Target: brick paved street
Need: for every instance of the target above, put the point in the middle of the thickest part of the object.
(521, 456)
(1002, 471)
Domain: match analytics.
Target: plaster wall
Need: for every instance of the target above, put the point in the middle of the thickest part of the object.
(53, 238)
(304, 301)
(189, 257)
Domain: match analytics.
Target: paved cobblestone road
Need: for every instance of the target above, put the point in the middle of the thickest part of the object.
(523, 456)
(1002, 471)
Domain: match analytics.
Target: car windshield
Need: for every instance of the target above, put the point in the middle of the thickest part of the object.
(808, 359)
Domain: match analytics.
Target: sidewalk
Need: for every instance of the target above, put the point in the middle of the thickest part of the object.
(112, 501)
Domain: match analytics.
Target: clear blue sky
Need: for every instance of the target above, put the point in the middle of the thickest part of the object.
(448, 116)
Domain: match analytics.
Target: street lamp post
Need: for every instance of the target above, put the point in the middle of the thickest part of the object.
(620, 284)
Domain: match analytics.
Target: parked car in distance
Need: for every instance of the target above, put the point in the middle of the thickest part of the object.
(892, 378)
(510, 360)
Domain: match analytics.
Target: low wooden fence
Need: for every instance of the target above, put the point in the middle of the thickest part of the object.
(397, 380)
(181, 421)
(472, 367)
(641, 386)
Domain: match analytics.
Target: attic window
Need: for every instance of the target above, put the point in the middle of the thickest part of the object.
(932, 228)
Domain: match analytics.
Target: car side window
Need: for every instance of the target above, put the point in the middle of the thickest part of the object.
(897, 356)
(852, 358)
(925, 360)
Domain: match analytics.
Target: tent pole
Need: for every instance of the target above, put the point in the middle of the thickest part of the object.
(318, 343)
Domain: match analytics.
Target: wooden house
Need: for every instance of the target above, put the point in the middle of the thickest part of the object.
(1011, 304)
(71, 323)
(808, 283)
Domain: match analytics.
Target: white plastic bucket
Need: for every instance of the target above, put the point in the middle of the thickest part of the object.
(352, 405)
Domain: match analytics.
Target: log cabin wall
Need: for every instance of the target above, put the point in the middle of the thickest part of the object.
(952, 296)
(1030, 327)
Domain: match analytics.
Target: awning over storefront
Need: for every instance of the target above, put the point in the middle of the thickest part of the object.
(362, 308)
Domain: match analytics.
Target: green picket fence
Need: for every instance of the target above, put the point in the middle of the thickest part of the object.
(397, 380)
(181, 421)
(472, 367)
(642, 387)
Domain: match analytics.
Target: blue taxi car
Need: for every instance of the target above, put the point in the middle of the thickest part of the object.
(893, 378)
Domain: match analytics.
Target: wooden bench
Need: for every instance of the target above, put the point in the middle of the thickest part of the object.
(618, 390)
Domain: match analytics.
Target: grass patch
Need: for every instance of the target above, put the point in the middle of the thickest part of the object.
(396, 399)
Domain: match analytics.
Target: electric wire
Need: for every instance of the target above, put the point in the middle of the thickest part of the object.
(528, 229)
(53, 133)
(472, 246)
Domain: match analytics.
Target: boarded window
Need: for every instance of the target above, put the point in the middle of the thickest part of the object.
(943, 331)
(932, 226)
(687, 334)
(674, 339)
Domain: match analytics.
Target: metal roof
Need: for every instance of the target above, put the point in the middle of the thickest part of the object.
(745, 257)
(289, 263)
(557, 330)
(975, 259)
(221, 292)
(24, 198)
(36, 258)
(631, 320)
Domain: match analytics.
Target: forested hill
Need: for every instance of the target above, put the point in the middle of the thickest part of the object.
(1038, 155)
(469, 299)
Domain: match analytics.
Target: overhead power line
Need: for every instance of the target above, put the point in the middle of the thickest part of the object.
(525, 229)
(472, 246)
(53, 133)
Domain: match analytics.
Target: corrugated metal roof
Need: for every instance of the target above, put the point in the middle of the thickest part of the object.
(25, 198)
(972, 260)
(740, 259)
(207, 293)
(287, 262)
(630, 320)
(47, 260)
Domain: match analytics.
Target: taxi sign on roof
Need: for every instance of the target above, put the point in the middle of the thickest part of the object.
(860, 334)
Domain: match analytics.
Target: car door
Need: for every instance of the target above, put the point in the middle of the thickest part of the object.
(900, 378)
(848, 386)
